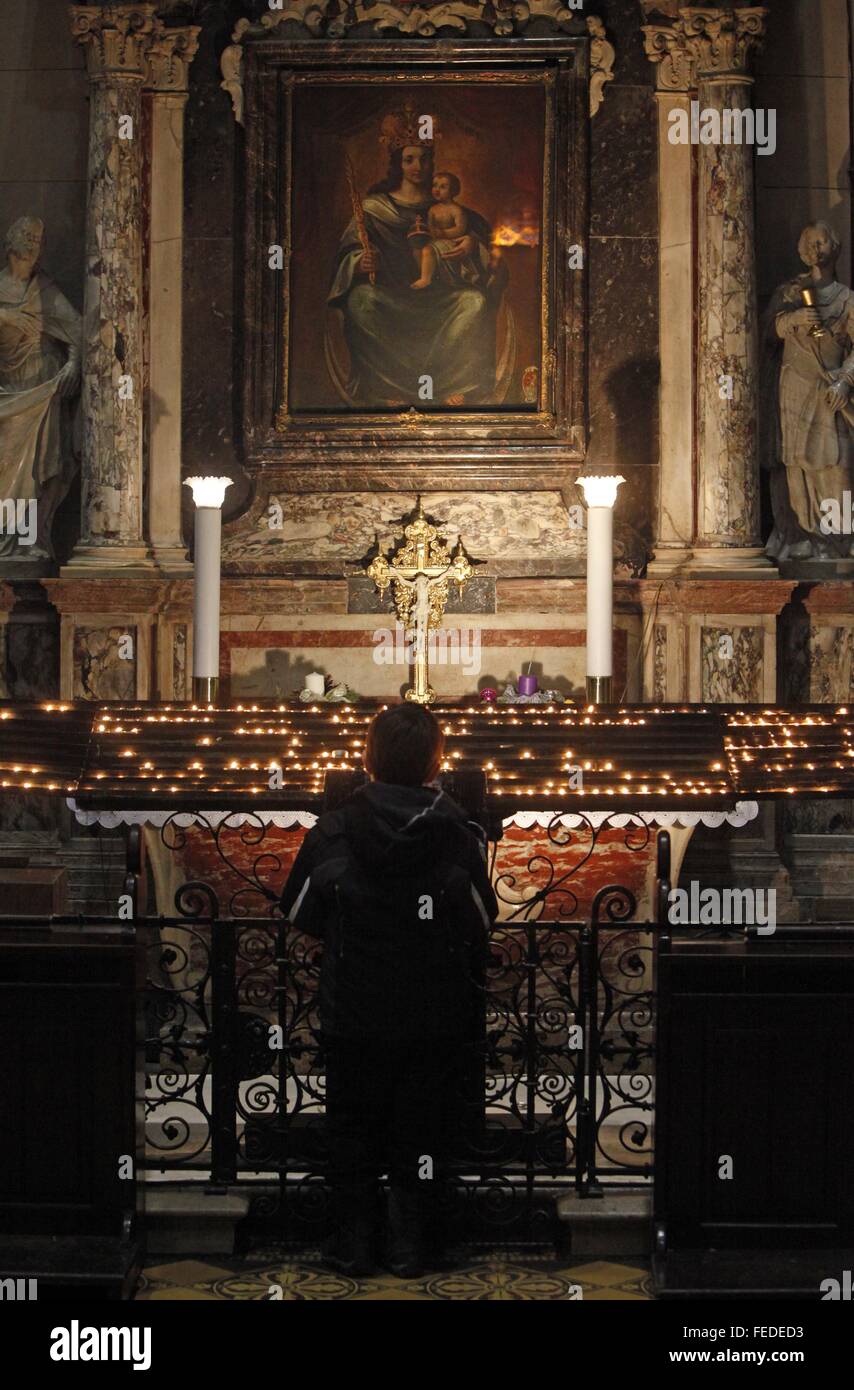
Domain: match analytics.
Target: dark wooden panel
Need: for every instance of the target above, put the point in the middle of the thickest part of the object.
(755, 1042)
(68, 1102)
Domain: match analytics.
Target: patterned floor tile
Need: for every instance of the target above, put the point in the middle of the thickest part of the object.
(484, 1276)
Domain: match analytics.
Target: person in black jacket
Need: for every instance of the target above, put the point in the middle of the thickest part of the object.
(395, 883)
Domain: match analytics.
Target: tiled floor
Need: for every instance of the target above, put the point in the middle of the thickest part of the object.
(272, 1274)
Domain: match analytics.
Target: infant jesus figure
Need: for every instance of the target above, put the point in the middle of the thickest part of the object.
(448, 224)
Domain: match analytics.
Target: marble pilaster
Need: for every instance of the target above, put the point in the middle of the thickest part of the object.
(728, 515)
(116, 39)
(674, 525)
(170, 54)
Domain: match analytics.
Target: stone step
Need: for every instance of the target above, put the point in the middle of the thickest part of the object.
(618, 1223)
(190, 1221)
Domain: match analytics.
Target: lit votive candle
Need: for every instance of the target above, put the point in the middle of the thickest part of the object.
(527, 685)
(315, 683)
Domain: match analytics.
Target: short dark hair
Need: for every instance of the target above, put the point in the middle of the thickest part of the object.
(404, 746)
(453, 181)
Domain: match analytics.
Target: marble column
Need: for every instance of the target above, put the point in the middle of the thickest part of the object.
(709, 426)
(667, 49)
(728, 515)
(170, 55)
(116, 39)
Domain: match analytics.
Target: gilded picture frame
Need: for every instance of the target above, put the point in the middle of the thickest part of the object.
(511, 157)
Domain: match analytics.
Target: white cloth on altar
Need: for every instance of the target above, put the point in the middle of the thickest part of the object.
(742, 813)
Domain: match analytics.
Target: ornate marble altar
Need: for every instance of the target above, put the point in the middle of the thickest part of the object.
(661, 241)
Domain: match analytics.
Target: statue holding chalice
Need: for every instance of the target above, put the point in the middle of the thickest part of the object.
(420, 570)
(808, 410)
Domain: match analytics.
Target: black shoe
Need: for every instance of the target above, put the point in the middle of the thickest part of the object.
(350, 1249)
(404, 1255)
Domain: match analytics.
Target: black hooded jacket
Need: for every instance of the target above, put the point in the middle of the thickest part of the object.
(395, 883)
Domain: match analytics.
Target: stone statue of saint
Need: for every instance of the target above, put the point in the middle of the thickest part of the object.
(807, 409)
(40, 350)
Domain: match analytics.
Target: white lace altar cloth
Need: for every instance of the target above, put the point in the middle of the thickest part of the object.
(742, 813)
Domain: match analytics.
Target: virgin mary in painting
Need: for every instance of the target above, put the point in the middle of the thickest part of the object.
(413, 340)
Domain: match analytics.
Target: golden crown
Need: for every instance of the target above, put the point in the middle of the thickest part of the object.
(408, 127)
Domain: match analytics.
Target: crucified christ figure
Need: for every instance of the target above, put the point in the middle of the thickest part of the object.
(418, 613)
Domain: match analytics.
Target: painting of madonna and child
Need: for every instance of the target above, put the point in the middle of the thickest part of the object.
(415, 275)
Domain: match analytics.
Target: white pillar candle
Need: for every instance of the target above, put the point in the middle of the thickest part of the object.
(315, 683)
(600, 494)
(208, 495)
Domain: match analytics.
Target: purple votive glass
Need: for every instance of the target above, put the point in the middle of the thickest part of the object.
(527, 685)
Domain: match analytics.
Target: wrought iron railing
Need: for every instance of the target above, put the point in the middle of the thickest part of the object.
(558, 1087)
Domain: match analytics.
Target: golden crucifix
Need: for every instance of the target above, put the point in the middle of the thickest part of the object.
(420, 570)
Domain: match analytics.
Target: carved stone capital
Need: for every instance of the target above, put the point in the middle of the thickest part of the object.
(170, 53)
(115, 37)
(704, 43)
(722, 41)
(666, 46)
(131, 41)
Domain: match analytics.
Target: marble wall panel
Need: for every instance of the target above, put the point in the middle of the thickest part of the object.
(32, 660)
(623, 369)
(28, 820)
(478, 596)
(179, 662)
(732, 663)
(820, 659)
(211, 369)
(100, 673)
(369, 655)
(207, 434)
(623, 275)
(209, 127)
(624, 160)
(319, 526)
(659, 662)
(278, 671)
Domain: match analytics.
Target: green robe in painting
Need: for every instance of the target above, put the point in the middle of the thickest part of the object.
(396, 335)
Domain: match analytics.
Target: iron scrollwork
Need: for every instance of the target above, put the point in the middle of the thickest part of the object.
(557, 1087)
